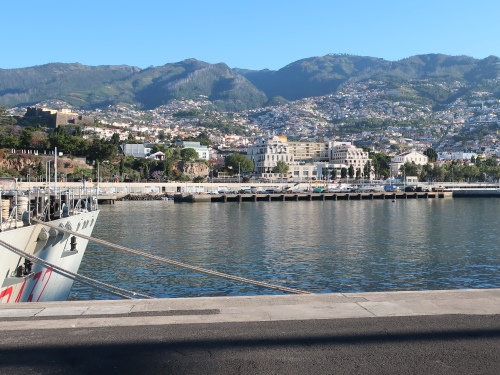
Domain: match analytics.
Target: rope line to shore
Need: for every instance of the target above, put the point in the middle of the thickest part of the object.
(124, 293)
(176, 263)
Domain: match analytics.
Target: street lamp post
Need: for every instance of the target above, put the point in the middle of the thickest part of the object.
(404, 177)
(47, 175)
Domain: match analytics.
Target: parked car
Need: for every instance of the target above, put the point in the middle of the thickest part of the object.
(391, 188)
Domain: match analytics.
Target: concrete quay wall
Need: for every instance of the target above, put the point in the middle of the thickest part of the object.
(196, 198)
(432, 332)
(153, 187)
(115, 313)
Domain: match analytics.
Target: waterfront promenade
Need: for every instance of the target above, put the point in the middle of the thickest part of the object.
(433, 332)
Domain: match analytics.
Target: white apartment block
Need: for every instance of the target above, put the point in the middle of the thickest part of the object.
(265, 154)
(345, 153)
(456, 156)
(309, 150)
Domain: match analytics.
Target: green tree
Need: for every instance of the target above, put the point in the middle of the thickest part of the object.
(350, 171)
(431, 154)
(358, 173)
(490, 162)
(439, 173)
(239, 161)
(39, 170)
(380, 163)
(9, 136)
(121, 169)
(410, 169)
(101, 149)
(426, 173)
(281, 168)
(77, 131)
(115, 139)
(39, 140)
(343, 172)
(25, 138)
(367, 169)
(146, 168)
(333, 174)
(189, 154)
(69, 143)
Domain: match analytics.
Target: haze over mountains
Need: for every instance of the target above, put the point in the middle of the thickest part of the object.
(92, 87)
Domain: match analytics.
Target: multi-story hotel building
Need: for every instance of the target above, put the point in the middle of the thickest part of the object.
(265, 154)
(345, 153)
(306, 160)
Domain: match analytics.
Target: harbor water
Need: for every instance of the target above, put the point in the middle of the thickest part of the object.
(321, 247)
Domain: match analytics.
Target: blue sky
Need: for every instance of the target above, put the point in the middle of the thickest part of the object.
(255, 34)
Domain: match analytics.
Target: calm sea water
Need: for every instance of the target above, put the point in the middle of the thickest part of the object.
(322, 247)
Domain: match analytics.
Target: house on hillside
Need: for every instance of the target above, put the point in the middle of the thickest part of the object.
(156, 156)
(135, 150)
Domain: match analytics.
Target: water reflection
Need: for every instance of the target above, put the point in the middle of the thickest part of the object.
(341, 246)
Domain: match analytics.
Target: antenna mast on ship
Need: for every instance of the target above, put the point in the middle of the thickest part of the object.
(55, 169)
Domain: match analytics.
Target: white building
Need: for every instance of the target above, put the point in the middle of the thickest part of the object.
(203, 152)
(136, 150)
(346, 154)
(266, 152)
(407, 157)
(456, 156)
(156, 156)
(325, 171)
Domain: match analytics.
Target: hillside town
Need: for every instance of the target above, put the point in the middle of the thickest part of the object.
(313, 136)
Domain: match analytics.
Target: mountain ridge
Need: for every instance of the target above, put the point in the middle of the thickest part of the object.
(92, 87)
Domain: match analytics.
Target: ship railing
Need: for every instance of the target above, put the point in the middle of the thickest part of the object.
(19, 207)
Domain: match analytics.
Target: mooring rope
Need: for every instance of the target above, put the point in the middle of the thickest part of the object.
(176, 263)
(73, 276)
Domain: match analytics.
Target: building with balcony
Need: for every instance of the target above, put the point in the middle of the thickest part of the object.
(266, 152)
(346, 154)
(317, 151)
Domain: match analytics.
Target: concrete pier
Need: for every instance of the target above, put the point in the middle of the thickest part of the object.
(279, 197)
(245, 309)
(438, 332)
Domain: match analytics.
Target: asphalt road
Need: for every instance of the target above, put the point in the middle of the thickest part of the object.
(445, 344)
